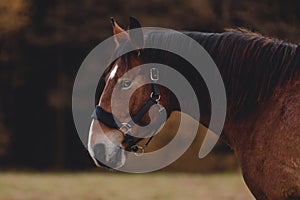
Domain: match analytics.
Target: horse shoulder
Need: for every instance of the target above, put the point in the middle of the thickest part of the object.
(270, 151)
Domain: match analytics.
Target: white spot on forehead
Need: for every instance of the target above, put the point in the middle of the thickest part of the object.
(113, 72)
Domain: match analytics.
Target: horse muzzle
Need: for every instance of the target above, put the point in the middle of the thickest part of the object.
(105, 146)
(108, 157)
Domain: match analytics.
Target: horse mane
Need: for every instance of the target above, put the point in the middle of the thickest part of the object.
(250, 64)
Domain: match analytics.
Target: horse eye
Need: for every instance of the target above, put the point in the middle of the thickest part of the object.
(125, 84)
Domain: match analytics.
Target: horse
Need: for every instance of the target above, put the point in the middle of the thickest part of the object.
(262, 81)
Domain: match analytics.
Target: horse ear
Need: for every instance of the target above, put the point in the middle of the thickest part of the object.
(119, 33)
(136, 36)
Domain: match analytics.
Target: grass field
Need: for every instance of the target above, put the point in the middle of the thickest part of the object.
(114, 186)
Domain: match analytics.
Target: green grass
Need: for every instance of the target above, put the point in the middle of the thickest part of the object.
(114, 186)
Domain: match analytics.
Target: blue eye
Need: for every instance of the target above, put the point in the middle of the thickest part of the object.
(125, 84)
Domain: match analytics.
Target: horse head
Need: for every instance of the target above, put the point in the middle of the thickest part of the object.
(115, 132)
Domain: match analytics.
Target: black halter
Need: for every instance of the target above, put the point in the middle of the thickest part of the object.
(111, 121)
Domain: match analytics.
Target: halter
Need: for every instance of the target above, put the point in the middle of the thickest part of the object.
(112, 121)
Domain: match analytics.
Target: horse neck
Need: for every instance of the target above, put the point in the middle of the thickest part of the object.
(252, 67)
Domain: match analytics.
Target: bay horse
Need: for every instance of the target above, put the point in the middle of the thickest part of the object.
(262, 81)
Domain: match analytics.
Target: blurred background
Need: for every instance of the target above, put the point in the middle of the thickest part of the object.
(43, 43)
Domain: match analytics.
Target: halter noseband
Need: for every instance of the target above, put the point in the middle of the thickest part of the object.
(112, 121)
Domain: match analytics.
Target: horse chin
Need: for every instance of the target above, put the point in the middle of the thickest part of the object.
(111, 165)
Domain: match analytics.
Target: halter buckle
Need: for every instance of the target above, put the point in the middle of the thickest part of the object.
(125, 128)
(138, 150)
(155, 97)
(154, 75)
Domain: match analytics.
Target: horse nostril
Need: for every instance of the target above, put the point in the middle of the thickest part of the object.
(99, 152)
(106, 159)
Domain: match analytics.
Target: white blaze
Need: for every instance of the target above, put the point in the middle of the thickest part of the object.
(113, 72)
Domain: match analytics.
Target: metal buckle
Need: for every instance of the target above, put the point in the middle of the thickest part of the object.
(138, 150)
(125, 128)
(157, 97)
(154, 75)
